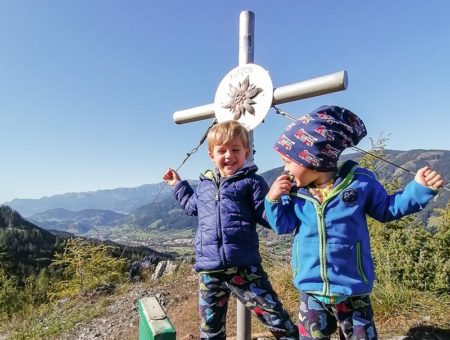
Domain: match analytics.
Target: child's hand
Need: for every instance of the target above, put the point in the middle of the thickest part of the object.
(171, 177)
(281, 186)
(429, 178)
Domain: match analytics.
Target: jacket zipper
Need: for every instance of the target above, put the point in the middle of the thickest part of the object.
(322, 249)
(219, 224)
(337, 190)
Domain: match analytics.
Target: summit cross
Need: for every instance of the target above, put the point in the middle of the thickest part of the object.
(288, 93)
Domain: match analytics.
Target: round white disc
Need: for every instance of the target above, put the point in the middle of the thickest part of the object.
(245, 94)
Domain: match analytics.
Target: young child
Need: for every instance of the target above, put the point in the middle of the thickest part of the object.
(326, 208)
(229, 202)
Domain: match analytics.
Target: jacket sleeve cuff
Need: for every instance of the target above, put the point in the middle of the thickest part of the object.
(421, 192)
(272, 201)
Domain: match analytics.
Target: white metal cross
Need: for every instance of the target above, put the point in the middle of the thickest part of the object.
(305, 89)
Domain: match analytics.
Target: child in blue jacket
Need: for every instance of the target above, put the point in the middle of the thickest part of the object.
(326, 208)
(229, 202)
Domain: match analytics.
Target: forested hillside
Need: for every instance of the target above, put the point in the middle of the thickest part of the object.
(24, 248)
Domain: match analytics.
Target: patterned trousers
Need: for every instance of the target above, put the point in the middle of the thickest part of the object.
(318, 320)
(251, 286)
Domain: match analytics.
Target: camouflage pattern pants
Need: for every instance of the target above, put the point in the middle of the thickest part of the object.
(318, 320)
(251, 286)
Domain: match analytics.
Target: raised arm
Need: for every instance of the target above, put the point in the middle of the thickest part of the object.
(280, 213)
(183, 192)
(384, 207)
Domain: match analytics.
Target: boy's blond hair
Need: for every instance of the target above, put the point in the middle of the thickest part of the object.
(224, 132)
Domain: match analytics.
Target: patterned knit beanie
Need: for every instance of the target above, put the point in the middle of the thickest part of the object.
(317, 139)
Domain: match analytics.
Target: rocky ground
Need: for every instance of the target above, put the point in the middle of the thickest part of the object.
(119, 321)
(121, 318)
(179, 299)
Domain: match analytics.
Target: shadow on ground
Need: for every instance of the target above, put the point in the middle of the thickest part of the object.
(427, 333)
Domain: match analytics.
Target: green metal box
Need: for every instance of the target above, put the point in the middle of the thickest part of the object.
(153, 321)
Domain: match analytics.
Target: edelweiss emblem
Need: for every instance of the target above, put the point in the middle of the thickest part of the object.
(241, 98)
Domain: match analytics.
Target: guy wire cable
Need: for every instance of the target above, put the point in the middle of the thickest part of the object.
(285, 114)
(189, 154)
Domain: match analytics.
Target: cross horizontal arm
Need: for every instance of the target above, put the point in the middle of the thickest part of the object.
(310, 88)
(194, 114)
(305, 89)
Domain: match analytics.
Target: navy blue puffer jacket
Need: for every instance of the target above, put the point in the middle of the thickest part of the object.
(228, 210)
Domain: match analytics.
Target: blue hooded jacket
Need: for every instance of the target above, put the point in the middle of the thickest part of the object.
(331, 253)
(228, 210)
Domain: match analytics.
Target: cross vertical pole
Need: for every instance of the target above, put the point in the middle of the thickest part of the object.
(246, 56)
(247, 51)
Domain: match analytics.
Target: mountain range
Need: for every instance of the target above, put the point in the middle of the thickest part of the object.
(120, 200)
(80, 212)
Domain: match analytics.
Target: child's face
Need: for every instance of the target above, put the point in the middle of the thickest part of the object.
(303, 176)
(230, 157)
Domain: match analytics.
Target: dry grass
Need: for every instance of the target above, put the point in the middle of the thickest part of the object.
(400, 309)
(51, 320)
(397, 310)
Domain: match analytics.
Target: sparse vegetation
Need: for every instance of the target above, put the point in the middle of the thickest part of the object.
(52, 319)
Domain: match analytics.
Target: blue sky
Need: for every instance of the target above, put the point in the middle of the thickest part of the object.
(88, 88)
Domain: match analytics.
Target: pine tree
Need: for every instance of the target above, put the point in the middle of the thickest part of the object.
(85, 266)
